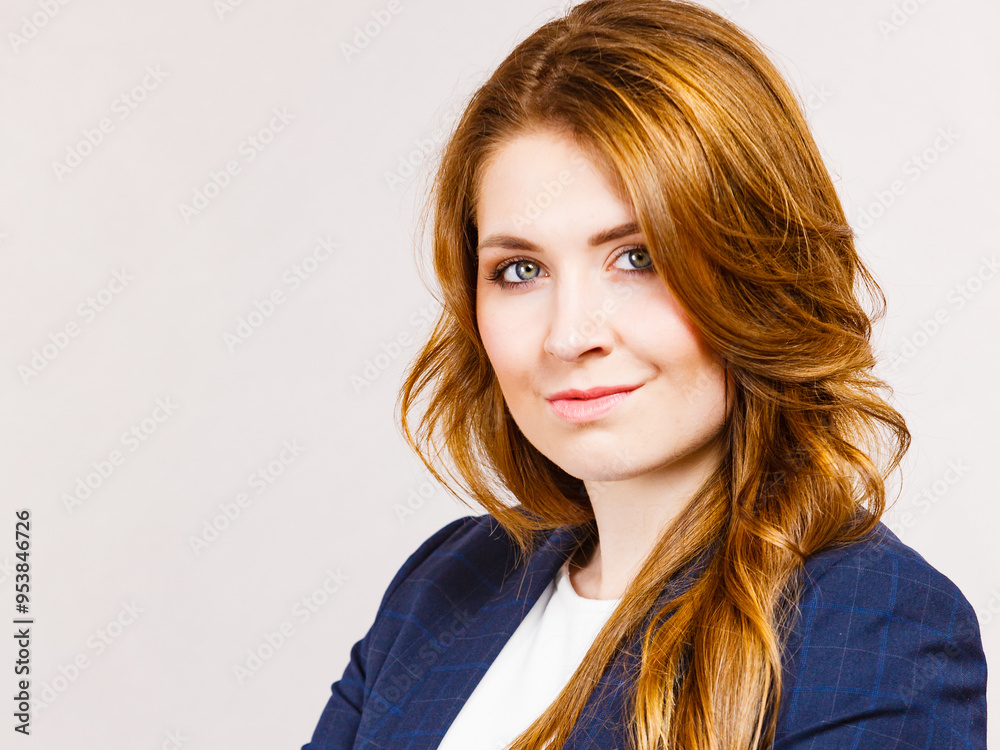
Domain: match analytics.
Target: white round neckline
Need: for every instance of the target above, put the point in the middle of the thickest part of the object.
(564, 586)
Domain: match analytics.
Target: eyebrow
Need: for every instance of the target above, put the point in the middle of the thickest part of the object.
(510, 242)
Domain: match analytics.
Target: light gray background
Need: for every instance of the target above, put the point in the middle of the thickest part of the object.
(881, 80)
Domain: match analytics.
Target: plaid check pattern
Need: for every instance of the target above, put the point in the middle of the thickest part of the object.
(885, 653)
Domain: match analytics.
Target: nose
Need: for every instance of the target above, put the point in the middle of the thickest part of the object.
(578, 318)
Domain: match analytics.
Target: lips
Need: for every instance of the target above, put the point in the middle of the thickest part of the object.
(589, 405)
(597, 392)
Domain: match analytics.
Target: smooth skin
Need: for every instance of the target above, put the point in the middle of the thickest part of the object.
(580, 315)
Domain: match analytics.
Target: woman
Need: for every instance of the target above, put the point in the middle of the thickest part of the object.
(652, 371)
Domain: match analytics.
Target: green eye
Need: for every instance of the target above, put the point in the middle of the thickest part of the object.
(637, 255)
(638, 252)
(530, 265)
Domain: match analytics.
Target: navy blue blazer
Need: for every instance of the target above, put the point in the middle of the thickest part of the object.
(886, 651)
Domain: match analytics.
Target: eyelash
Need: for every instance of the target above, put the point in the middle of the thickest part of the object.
(496, 276)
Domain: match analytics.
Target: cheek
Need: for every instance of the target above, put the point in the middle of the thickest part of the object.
(667, 338)
(660, 327)
(491, 335)
(505, 345)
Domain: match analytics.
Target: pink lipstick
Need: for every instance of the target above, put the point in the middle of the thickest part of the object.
(583, 406)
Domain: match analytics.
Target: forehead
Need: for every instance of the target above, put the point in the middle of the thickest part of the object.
(543, 181)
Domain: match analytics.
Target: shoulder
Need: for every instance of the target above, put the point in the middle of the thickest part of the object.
(462, 551)
(880, 579)
(884, 644)
(880, 573)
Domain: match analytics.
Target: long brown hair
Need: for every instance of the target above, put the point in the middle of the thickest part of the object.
(700, 131)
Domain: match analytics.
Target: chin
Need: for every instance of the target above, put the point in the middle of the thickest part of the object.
(599, 466)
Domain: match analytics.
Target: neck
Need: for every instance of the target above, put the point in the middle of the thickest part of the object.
(631, 514)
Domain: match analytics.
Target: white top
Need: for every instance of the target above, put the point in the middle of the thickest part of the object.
(531, 669)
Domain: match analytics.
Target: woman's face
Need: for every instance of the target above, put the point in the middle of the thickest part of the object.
(584, 310)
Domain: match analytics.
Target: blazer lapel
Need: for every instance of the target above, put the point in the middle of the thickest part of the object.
(487, 600)
(464, 638)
